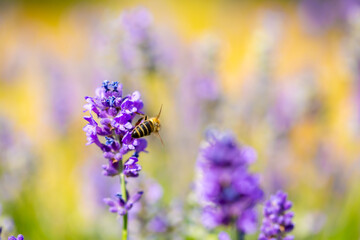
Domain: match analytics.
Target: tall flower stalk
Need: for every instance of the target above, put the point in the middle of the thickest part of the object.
(229, 192)
(112, 134)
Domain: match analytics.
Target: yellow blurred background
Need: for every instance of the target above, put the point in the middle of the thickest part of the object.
(285, 86)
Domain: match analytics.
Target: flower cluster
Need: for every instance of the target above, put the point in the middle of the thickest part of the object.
(19, 237)
(115, 114)
(229, 192)
(277, 220)
(119, 205)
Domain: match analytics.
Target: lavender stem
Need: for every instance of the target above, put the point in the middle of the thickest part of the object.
(125, 217)
(240, 235)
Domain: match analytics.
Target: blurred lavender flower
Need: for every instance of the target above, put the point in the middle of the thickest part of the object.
(228, 191)
(158, 224)
(277, 222)
(62, 91)
(352, 50)
(16, 160)
(199, 88)
(6, 225)
(224, 236)
(115, 125)
(151, 218)
(140, 49)
(204, 72)
(267, 39)
(319, 14)
(19, 237)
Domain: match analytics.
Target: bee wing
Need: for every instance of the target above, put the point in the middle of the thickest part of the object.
(141, 119)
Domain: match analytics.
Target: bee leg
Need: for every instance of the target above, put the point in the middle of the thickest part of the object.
(142, 115)
(144, 118)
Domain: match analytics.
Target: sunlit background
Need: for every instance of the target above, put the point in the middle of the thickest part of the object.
(284, 76)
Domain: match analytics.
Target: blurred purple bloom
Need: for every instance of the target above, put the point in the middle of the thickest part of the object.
(158, 224)
(224, 236)
(114, 127)
(277, 222)
(140, 49)
(137, 22)
(119, 205)
(19, 237)
(154, 191)
(62, 91)
(228, 190)
(320, 14)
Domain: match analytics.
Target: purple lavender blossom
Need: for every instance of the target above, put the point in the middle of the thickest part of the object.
(159, 224)
(19, 237)
(119, 205)
(228, 191)
(139, 49)
(319, 14)
(151, 218)
(224, 236)
(115, 114)
(277, 222)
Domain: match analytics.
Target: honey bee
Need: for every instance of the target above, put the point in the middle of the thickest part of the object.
(145, 126)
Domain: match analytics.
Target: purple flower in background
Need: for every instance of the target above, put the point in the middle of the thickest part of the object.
(159, 224)
(17, 160)
(136, 23)
(277, 222)
(151, 217)
(319, 14)
(112, 133)
(119, 205)
(141, 49)
(228, 191)
(224, 236)
(19, 237)
(62, 91)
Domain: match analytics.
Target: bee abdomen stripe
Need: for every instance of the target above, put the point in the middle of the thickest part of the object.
(141, 129)
(149, 126)
(144, 129)
(152, 125)
(137, 132)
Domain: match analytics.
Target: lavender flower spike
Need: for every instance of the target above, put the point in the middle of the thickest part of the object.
(277, 221)
(19, 237)
(228, 191)
(112, 132)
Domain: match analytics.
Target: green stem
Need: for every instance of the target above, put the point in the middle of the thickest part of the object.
(125, 217)
(240, 235)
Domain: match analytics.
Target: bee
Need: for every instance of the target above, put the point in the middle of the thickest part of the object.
(145, 126)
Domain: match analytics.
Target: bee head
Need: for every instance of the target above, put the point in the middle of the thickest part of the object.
(157, 121)
(157, 124)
